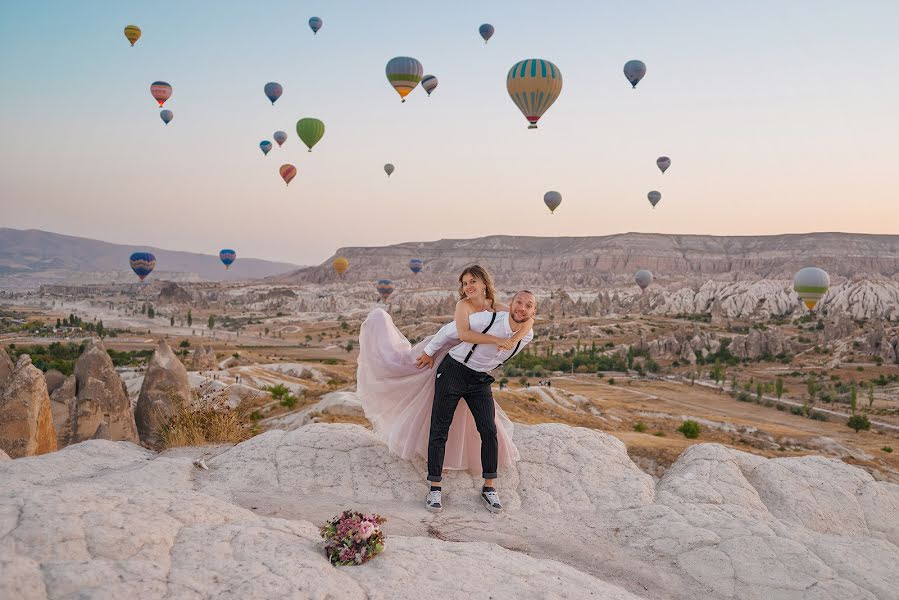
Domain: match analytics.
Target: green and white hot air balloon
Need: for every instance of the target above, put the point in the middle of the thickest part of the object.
(810, 284)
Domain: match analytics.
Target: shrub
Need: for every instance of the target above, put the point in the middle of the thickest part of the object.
(197, 425)
(797, 410)
(817, 416)
(256, 415)
(289, 401)
(744, 397)
(523, 382)
(277, 391)
(690, 429)
(659, 434)
(887, 449)
(859, 422)
(184, 344)
(639, 427)
(611, 381)
(780, 407)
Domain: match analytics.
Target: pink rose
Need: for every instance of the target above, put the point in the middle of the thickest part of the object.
(366, 530)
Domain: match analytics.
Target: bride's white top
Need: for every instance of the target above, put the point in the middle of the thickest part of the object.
(485, 357)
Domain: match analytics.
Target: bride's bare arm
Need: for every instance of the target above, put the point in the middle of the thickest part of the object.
(465, 333)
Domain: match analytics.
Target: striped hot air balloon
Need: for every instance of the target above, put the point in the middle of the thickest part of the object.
(132, 33)
(265, 146)
(404, 73)
(280, 138)
(310, 131)
(227, 256)
(429, 83)
(810, 284)
(161, 91)
(315, 24)
(534, 84)
(142, 263)
(340, 265)
(416, 265)
(288, 172)
(385, 288)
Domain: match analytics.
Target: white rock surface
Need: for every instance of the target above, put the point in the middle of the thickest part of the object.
(103, 519)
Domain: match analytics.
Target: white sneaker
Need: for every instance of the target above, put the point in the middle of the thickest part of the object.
(433, 502)
(491, 499)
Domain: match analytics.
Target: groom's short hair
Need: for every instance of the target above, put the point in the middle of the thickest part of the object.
(525, 292)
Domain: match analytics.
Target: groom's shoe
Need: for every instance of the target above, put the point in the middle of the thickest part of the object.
(491, 499)
(433, 502)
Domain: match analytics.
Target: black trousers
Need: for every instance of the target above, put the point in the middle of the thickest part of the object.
(454, 381)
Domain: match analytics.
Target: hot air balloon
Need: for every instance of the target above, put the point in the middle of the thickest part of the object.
(643, 278)
(811, 284)
(486, 30)
(552, 200)
(227, 256)
(385, 288)
(389, 168)
(663, 162)
(132, 33)
(288, 172)
(429, 83)
(654, 198)
(404, 73)
(634, 70)
(166, 116)
(265, 146)
(340, 265)
(161, 91)
(416, 265)
(310, 131)
(534, 84)
(142, 263)
(315, 24)
(273, 91)
(280, 138)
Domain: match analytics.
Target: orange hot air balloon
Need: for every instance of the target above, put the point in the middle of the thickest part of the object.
(161, 91)
(340, 265)
(132, 33)
(288, 172)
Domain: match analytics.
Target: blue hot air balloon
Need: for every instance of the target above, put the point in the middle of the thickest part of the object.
(416, 265)
(142, 263)
(265, 146)
(385, 288)
(273, 91)
(227, 257)
(486, 30)
(315, 24)
(166, 116)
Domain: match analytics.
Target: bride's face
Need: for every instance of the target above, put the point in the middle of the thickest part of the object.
(472, 286)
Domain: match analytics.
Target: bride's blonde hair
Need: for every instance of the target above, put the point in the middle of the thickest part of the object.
(484, 275)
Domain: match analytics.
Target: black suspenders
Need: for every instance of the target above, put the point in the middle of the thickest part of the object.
(470, 352)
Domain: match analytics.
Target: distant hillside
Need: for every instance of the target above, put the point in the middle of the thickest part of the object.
(587, 261)
(33, 257)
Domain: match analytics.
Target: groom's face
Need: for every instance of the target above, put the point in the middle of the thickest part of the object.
(523, 307)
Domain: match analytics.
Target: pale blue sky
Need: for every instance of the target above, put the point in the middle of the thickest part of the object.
(779, 116)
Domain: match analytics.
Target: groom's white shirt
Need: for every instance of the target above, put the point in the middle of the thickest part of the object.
(485, 357)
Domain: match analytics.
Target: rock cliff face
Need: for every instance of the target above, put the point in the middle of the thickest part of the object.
(6, 368)
(26, 425)
(580, 521)
(164, 382)
(91, 396)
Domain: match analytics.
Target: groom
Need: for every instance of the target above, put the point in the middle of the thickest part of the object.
(465, 373)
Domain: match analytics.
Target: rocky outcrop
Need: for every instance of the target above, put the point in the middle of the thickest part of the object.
(172, 293)
(6, 367)
(203, 359)
(54, 380)
(26, 426)
(4, 456)
(165, 384)
(758, 344)
(882, 343)
(580, 521)
(91, 396)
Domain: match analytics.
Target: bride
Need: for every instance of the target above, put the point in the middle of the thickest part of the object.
(397, 395)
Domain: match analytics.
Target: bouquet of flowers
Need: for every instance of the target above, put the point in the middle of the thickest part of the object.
(353, 538)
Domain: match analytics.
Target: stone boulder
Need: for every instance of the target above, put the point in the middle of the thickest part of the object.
(203, 359)
(92, 396)
(4, 456)
(26, 425)
(54, 380)
(165, 385)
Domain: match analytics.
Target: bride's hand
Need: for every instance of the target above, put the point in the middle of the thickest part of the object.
(504, 343)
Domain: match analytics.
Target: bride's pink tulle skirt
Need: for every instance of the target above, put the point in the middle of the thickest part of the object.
(397, 398)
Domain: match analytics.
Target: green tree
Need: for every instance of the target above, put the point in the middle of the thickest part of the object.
(101, 331)
(779, 387)
(717, 372)
(811, 386)
(870, 395)
(690, 429)
(853, 397)
(150, 312)
(758, 393)
(190, 318)
(349, 347)
(210, 323)
(58, 323)
(858, 422)
(172, 321)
